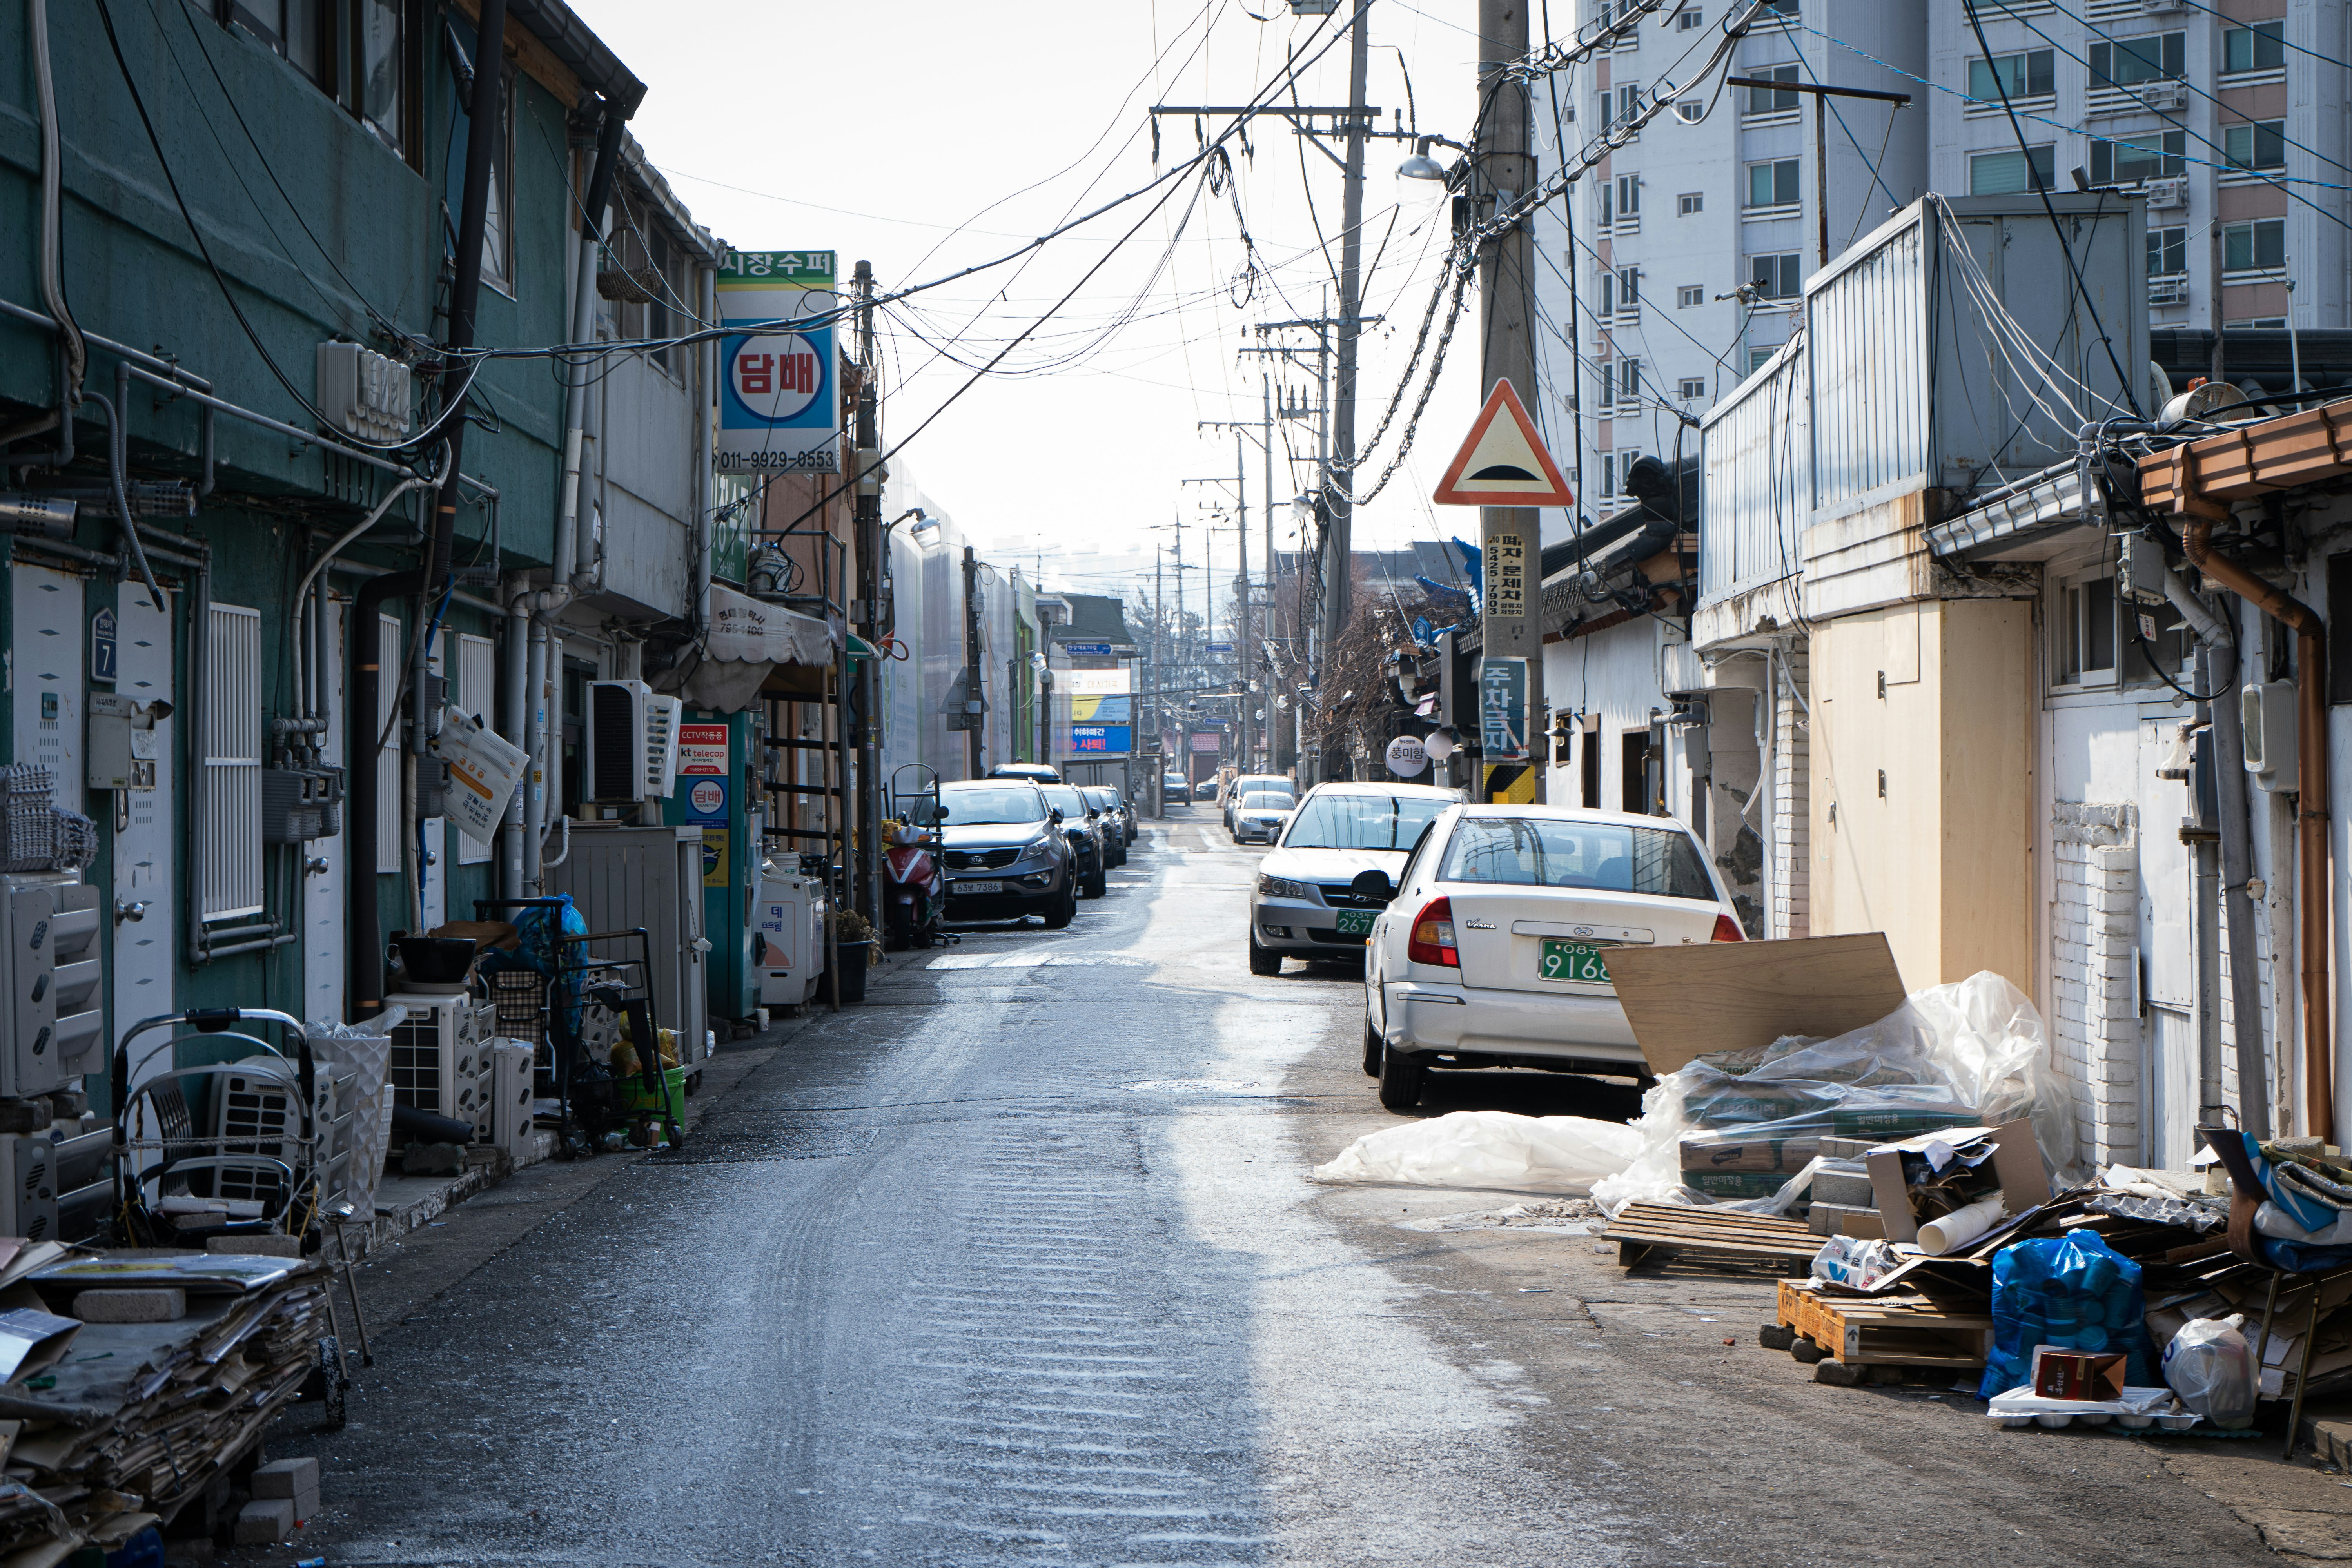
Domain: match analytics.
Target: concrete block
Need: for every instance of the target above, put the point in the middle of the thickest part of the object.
(265, 1521)
(256, 1245)
(159, 1306)
(286, 1477)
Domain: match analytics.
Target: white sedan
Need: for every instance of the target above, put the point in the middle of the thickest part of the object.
(1303, 906)
(1494, 951)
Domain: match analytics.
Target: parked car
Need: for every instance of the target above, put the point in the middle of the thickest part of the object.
(1249, 784)
(1082, 824)
(1003, 853)
(1303, 906)
(1118, 823)
(1038, 772)
(1494, 949)
(1173, 790)
(1260, 817)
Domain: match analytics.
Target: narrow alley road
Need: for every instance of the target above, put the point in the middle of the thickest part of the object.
(1018, 1263)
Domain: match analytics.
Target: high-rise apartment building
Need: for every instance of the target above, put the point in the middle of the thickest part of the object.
(2225, 115)
(1690, 244)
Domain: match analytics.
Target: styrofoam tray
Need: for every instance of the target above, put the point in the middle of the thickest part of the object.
(2138, 1410)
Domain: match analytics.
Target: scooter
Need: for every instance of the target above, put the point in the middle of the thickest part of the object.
(915, 892)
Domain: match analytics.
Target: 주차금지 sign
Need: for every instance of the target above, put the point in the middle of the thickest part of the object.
(779, 404)
(1503, 709)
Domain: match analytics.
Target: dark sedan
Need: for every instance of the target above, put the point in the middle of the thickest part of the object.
(1088, 837)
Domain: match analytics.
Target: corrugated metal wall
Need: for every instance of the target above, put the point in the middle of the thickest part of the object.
(1867, 330)
(1757, 479)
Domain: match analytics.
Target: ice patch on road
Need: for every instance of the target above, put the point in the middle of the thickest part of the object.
(1199, 1086)
(1033, 961)
(1559, 1217)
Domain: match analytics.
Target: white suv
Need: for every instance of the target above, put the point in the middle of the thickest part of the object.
(1494, 949)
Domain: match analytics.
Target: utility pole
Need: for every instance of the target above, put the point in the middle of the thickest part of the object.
(1511, 537)
(868, 528)
(972, 700)
(1339, 536)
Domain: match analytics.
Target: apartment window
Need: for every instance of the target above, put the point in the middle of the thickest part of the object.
(1777, 277)
(2004, 173)
(2257, 247)
(1690, 111)
(1629, 196)
(1772, 100)
(2086, 632)
(1588, 763)
(1691, 387)
(294, 29)
(1629, 288)
(2257, 47)
(1777, 10)
(1609, 473)
(1691, 201)
(2126, 62)
(2168, 252)
(498, 231)
(1759, 358)
(2030, 74)
(1607, 119)
(1629, 99)
(2161, 157)
(232, 763)
(1629, 380)
(650, 288)
(1689, 19)
(1608, 204)
(2259, 144)
(1608, 373)
(1626, 457)
(1772, 185)
(384, 71)
(2256, 324)
(1608, 293)
(1688, 295)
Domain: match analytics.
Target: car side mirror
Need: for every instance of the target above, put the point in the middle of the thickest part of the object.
(1054, 815)
(1374, 885)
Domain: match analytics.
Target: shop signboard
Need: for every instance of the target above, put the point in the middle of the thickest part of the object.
(779, 409)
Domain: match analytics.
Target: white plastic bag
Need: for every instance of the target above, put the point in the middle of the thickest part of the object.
(366, 1048)
(2212, 1367)
(1489, 1149)
(1852, 1260)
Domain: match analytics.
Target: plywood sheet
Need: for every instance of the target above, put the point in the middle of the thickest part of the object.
(1688, 1001)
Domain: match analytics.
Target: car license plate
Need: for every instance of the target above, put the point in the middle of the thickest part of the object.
(1355, 922)
(1576, 961)
(968, 887)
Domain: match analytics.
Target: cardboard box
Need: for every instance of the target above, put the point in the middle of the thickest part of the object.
(2078, 1374)
(2016, 1163)
(1685, 1002)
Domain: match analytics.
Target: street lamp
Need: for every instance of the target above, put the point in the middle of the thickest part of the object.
(1421, 165)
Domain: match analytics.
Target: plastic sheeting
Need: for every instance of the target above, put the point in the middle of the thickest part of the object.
(1489, 1149)
(2071, 1292)
(2212, 1367)
(1966, 1053)
(366, 1048)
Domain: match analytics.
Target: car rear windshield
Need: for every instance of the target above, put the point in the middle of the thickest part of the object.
(1019, 803)
(1362, 821)
(1073, 804)
(1550, 853)
(1102, 797)
(1266, 800)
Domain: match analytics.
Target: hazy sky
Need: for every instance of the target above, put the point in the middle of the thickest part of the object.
(928, 137)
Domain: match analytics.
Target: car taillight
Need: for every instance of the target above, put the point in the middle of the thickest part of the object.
(1433, 936)
(1727, 930)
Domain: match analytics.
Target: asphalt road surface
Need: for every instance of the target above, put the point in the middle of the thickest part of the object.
(1019, 1263)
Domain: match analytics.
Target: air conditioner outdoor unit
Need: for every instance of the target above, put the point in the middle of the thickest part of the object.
(364, 393)
(441, 1058)
(632, 741)
(2168, 195)
(2164, 95)
(2163, 8)
(2174, 293)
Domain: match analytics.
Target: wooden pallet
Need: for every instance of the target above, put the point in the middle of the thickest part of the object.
(1900, 1329)
(1644, 1228)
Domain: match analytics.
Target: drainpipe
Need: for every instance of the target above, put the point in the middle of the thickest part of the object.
(2315, 893)
(73, 353)
(366, 724)
(706, 392)
(514, 705)
(2218, 640)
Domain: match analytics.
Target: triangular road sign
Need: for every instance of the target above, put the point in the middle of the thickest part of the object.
(1504, 462)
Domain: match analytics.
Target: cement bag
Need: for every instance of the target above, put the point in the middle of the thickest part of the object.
(365, 1048)
(2212, 1367)
(2071, 1292)
(1489, 1149)
(1744, 1125)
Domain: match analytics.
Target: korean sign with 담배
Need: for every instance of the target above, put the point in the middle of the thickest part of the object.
(779, 399)
(484, 768)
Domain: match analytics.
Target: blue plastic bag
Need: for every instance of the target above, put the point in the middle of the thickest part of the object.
(2070, 1293)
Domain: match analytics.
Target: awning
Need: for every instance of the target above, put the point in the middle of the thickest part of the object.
(746, 640)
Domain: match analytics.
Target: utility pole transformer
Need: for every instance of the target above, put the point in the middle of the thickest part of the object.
(1505, 170)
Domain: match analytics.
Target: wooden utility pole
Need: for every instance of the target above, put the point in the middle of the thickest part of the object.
(1510, 538)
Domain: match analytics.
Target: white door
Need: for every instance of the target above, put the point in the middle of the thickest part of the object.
(324, 911)
(2167, 952)
(143, 837)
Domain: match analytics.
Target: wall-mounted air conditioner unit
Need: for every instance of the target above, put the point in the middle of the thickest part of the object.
(2163, 8)
(2168, 195)
(2164, 95)
(2169, 291)
(632, 741)
(363, 392)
